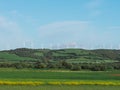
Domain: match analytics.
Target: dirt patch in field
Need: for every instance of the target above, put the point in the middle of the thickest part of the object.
(116, 75)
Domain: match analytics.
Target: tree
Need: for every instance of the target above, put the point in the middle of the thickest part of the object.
(76, 68)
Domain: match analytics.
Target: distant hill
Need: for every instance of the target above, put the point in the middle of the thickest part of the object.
(69, 55)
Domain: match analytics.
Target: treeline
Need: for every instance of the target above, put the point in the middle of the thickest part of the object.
(62, 65)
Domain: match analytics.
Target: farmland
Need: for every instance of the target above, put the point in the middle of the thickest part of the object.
(33, 79)
(66, 59)
(80, 55)
(48, 76)
(74, 69)
(48, 87)
(61, 75)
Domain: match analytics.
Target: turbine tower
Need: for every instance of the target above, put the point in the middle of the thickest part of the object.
(24, 44)
(31, 44)
(103, 46)
(42, 46)
(51, 46)
(111, 47)
(58, 46)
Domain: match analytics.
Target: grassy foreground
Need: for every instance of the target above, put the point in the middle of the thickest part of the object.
(45, 76)
(48, 87)
(32, 79)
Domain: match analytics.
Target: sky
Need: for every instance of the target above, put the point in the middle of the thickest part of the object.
(86, 24)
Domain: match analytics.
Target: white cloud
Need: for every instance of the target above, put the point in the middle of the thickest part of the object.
(10, 33)
(8, 25)
(62, 27)
(93, 6)
(67, 31)
(83, 32)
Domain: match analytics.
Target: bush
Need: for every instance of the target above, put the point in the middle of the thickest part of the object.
(76, 68)
(40, 65)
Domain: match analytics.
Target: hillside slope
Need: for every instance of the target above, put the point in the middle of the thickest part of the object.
(70, 55)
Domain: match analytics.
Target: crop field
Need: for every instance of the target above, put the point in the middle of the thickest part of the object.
(30, 79)
(12, 57)
(61, 75)
(49, 87)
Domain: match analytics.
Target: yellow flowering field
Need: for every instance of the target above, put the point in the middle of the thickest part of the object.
(37, 83)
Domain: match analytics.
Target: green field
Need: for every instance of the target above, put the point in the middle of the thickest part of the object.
(48, 87)
(70, 59)
(44, 75)
(34, 75)
(4, 56)
(71, 55)
(20, 69)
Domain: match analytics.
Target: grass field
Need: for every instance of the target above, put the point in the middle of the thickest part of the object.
(44, 75)
(48, 87)
(12, 57)
(30, 79)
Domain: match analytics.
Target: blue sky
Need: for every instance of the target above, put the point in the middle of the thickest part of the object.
(59, 23)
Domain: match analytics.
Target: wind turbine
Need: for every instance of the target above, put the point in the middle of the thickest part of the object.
(42, 46)
(24, 44)
(51, 46)
(103, 46)
(31, 44)
(58, 46)
(111, 47)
